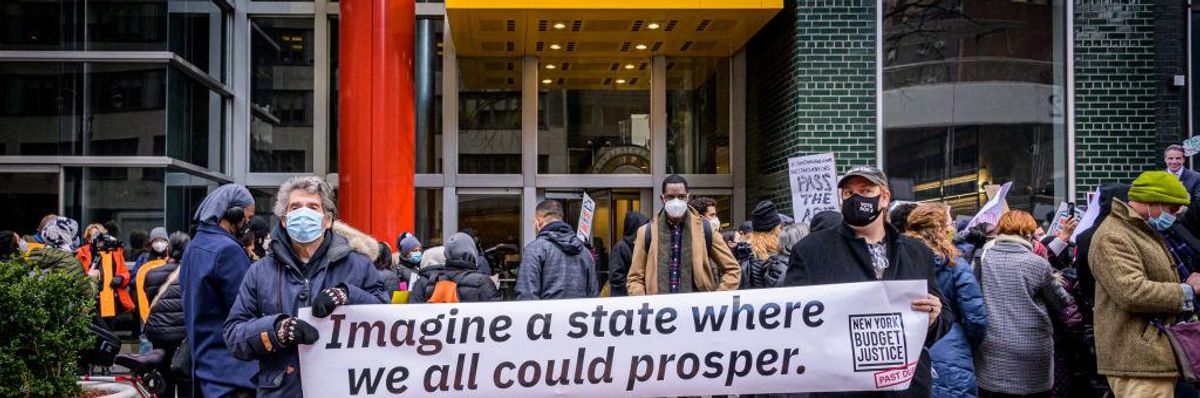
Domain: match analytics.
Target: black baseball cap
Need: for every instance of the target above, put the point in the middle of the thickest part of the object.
(871, 173)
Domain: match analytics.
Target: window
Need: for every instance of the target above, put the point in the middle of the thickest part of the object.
(427, 86)
(195, 121)
(128, 109)
(973, 95)
(281, 129)
(44, 103)
(27, 197)
(489, 116)
(594, 116)
(132, 197)
(429, 217)
(496, 223)
(698, 115)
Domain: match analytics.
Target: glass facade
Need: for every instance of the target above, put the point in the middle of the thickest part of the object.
(489, 115)
(698, 115)
(973, 95)
(131, 197)
(594, 116)
(281, 95)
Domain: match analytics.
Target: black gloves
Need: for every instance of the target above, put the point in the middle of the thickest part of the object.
(977, 235)
(329, 299)
(292, 331)
(116, 281)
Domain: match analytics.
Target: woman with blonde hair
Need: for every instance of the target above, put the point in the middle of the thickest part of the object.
(766, 265)
(953, 365)
(1020, 294)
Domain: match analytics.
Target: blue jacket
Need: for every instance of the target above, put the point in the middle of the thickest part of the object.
(953, 365)
(556, 265)
(277, 286)
(216, 263)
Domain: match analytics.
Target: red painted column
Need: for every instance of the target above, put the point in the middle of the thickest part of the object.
(376, 119)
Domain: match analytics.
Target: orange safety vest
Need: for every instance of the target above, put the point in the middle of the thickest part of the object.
(143, 302)
(111, 264)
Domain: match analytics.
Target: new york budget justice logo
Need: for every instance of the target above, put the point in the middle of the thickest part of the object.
(879, 345)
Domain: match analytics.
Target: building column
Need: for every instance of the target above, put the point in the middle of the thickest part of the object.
(376, 123)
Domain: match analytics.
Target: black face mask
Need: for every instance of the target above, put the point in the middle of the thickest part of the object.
(860, 211)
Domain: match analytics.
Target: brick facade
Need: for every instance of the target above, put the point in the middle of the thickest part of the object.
(811, 89)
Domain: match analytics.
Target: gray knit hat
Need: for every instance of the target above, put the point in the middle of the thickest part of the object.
(158, 233)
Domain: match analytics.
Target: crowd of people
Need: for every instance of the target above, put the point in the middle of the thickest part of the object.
(1012, 311)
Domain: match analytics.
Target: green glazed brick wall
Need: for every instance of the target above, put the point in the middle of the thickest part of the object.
(811, 89)
(1115, 92)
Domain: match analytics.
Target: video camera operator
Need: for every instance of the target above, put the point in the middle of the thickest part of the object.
(104, 258)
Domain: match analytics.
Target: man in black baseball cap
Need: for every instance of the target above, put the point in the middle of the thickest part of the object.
(865, 247)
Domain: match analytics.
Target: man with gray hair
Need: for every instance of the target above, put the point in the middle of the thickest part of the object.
(312, 263)
(216, 263)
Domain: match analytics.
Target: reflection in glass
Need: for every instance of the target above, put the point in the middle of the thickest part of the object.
(41, 25)
(195, 120)
(496, 222)
(489, 116)
(127, 25)
(427, 83)
(281, 126)
(429, 216)
(196, 32)
(698, 115)
(594, 116)
(973, 95)
(130, 196)
(41, 107)
(27, 197)
(182, 202)
(334, 49)
(128, 110)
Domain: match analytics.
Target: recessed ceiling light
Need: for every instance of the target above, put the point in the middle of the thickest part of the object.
(547, 81)
(652, 26)
(555, 47)
(560, 25)
(550, 66)
(629, 66)
(620, 81)
(640, 47)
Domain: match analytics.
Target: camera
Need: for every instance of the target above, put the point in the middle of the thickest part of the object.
(106, 243)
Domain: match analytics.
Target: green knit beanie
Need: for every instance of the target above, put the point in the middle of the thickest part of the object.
(1159, 187)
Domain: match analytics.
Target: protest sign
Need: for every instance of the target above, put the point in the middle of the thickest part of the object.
(814, 185)
(1064, 212)
(1191, 146)
(846, 337)
(993, 209)
(1089, 216)
(587, 212)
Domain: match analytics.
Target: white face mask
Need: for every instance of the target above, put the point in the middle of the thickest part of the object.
(676, 208)
(715, 221)
(159, 246)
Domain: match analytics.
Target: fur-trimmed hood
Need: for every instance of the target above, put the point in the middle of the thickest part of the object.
(359, 241)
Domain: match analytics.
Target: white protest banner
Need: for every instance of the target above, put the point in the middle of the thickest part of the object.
(1064, 212)
(1089, 216)
(587, 211)
(846, 337)
(814, 185)
(993, 209)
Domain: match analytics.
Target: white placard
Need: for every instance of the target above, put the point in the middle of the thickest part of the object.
(1089, 216)
(992, 210)
(814, 185)
(587, 212)
(1064, 211)
(845, 337)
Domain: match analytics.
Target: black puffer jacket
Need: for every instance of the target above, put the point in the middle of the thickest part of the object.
(473, 285)
(556, 265)
(758, 273)
(157, 278)
(622, 255)
(165, 326)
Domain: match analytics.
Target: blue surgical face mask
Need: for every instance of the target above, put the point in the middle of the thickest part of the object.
(1163, 222)
(305, 225)
(414, 257)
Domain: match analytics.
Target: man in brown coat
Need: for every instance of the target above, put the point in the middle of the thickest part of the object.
(677, 258)
(1138, 280)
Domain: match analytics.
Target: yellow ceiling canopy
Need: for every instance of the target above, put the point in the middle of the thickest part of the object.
(605, 28)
